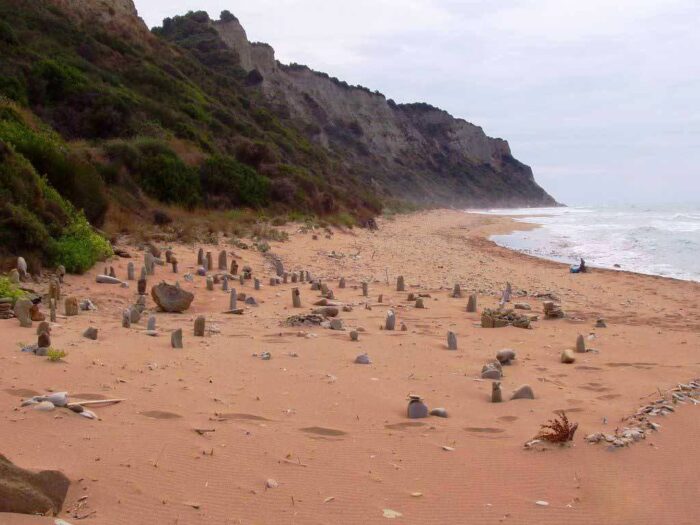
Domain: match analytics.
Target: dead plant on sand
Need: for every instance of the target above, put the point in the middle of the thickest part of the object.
(558, 430)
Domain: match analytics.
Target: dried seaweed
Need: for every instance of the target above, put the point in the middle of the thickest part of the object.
(558, 430)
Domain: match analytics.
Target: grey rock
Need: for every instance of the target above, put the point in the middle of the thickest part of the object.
(354, 335)
(390, 322)
(505, 356)
(336, 324)
(451, 341)
(170, 298)
(471, 304)
(176, 338)
(580, 344)
(199, 325)
(363, 359)
(439, 412)
(416, 408)
(400, 284)
(496, 393)
(23, 312)
(90, 333)
(491, 371)
(524, 392)
(251, 301)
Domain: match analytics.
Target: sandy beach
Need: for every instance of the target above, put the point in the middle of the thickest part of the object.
(333, 434)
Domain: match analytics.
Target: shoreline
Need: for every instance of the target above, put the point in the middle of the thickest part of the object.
(525, 226)
(334, 434)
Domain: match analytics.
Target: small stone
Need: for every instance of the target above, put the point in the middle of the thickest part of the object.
(491, 371)
(419, 303)
(524, 392)
(456, 291)
(44, 406)
(141, 286)
(505, 356)
(341, 282)
(439, 412)
(354, 335)
(567, 356)
(251, 301)
(600, 323)
(90, 333)
(416, 408)
(580, 344)
(522, 306)
(106, 279)
(271, 484)
(126, 318)
(363, 359)
(336, 324)
(130, 271)
(404, 328)
(365, 289)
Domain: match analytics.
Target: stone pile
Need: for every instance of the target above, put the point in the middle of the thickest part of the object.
(491, 318)
(6, 311)
(552, 310)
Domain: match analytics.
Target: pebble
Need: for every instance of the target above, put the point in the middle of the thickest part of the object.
(363, 359)
(505, 356)
(567, 356)
(271, 484)
(439, 412)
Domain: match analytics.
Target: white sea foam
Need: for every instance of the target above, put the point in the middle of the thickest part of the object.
(653, 240)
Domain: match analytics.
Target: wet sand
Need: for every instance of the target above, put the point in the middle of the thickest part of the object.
(333, 434)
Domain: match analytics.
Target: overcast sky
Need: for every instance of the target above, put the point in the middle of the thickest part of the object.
(600, 97)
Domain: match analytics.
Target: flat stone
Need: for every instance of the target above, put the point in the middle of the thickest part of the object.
(439, 412)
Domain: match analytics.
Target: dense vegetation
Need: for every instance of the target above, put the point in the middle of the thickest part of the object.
(166, 117)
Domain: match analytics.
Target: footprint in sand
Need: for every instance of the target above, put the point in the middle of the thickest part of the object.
(404, 425)
(485, 430)
(585, 367)
(634, 365)
(609, 396)
(21, 392)
(595, 387)
(242, 417)
(88, 396)
(321, 431)
(568, 410)
(159, 414)
(508, 419)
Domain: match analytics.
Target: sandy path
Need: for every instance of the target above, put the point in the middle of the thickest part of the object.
(334, 434)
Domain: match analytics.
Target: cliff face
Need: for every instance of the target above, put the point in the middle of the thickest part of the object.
(412, 151)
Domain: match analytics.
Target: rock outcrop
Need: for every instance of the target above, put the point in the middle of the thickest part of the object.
(441, 159)
(26, 492)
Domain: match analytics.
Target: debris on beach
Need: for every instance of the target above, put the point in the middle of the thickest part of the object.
(497, 318)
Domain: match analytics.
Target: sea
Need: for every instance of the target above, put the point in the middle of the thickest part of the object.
(655, 240)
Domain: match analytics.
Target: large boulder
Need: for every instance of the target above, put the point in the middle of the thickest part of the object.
(26, 492)
(170, 298)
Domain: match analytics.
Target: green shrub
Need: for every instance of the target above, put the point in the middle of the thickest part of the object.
(7, 289)
(233, 183)
(55, 355)
(80, 247)
(54, 81)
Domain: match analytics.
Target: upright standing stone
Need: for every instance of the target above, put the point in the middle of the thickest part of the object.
(23, 312)
(71, 306)
(233, 301)
(457, 291)
(451, 341)
(176, 338)
(144, 273)
(142, 284)
(400, 285)
(380, 299)
(14, 276)
(210, 262)
(273, 281)
(52, 310)
(496, 393)
(296, 298)
(151, 326)
(22, 267)
(112, 273)
(223, 260)
(295, 277)
(54, 290)
(580, 344)
(324, 289)
(419, 303)
(507, 292)
(471, 304)
(61, 273)
(135, 314)
(130, 273)
(302, 277)
(285, 278)
(199, 325)
(257, 283)
(210, 283)
(200, 257)
(168, 256)
(173, 261)
(126, 318)
(149, 263)
(234, 268)
(224, 283)
(390, 323)
(241, 279)
(341, 282)
(416, 408)
(365, 289)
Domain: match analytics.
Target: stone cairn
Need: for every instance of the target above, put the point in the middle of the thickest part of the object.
(6, 309)
(71, 306)
(552, 311)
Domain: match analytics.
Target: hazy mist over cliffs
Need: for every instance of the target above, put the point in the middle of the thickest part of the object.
(600, 99)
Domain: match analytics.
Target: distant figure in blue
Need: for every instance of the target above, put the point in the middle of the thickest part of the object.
(581, 268)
